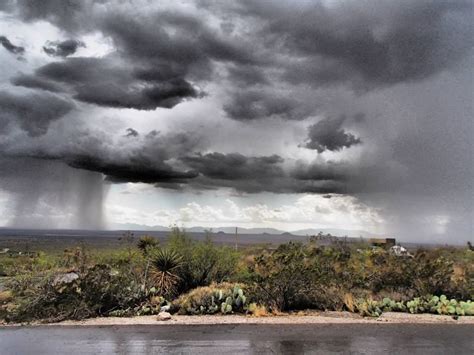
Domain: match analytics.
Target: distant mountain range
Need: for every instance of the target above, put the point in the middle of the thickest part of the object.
(231, 230)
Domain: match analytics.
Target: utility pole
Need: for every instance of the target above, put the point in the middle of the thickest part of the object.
(236, 240)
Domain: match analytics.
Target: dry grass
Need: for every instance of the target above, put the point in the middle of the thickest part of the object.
(258, 310)
(349, 302)
(5, 297)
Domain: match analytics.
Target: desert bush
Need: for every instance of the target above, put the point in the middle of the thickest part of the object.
(429, 304)
(429, 272)
(257, 310)
(166, 265)
(23, 284)
(218, 298)
(99, 291)
(39, 263)
(432, 275)
(139, 278)
(203, 262)
(5, 297)
(297, 276)
(146, 244)
(291, 278)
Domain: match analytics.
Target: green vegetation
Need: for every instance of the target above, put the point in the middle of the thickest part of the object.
(224, 298)
(190, 277)
(146, 243)
(166, 264)
(434, 304)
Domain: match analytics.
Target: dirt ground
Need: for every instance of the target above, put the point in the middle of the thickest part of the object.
(295, 318)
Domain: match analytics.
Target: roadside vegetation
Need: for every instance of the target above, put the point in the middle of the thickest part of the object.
(189, 277)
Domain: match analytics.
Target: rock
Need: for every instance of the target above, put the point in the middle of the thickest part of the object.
(165, 308)
(65, 278)
(163, 316)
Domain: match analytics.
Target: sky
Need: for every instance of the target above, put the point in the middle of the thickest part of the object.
(289, 115)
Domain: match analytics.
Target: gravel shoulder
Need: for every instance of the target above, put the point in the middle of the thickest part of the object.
(298, 318)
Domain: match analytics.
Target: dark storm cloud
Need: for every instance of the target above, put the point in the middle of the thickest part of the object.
(406, 64)
(254, 174)
(176, 42)
(150, 159)
(84, 71)
(235, 166)
(9, 46)
(138, 169)
(63, 48)
(328, 134)
(252, 105)
(368, 43)
(131, 133)
(246, 75)
(32, 112)
(321, 171)
(111, 82)
(69, 15)
(35, 82)
(182, 41)
(164, 160)
(165, 95)
(6, 5)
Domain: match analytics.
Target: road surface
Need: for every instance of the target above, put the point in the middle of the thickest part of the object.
(240, 339)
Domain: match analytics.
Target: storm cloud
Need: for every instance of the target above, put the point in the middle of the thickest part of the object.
(235, 166)
(252, 105)
(35, 82)
(369, 44)
(137, 169)
(9, 46)
(264, 173)
(62, 48)
(110, 82)
(249, 97)
(327, 134)
(33, 112)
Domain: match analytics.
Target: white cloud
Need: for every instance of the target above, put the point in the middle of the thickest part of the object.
(307, 211)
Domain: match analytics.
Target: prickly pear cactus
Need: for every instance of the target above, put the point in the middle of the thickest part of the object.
(432, 304)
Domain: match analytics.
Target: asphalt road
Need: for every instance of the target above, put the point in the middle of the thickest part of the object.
(240, 339)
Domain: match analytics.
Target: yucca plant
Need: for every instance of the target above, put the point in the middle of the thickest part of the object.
(146, 243)
(165, 267)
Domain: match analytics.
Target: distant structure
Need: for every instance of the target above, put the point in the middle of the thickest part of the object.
(385, 243)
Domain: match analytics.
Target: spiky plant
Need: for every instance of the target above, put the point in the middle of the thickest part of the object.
(165, 266)
(146, 243)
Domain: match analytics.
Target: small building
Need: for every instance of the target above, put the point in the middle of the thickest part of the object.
(385, 243)
(4, 250)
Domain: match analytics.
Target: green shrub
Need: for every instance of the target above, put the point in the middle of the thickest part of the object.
(369, 307)
(431, 304)
(203, 262)
(99, 291)
(296, 276)
(166, 265)
(224, 298)
(146, 244)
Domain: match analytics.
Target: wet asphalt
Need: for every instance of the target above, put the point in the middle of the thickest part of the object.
(240, 339)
